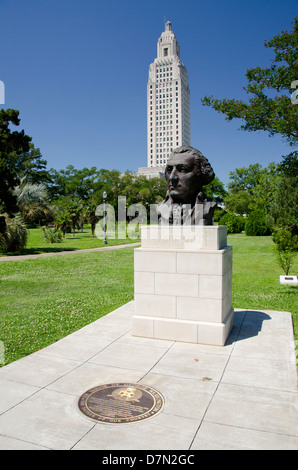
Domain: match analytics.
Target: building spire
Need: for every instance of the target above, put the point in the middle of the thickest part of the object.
(168, 101)
(168, 26)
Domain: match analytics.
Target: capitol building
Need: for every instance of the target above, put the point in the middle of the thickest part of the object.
(168, 104)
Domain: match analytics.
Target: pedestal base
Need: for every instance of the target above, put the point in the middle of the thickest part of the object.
(183, 285)
(183, 330)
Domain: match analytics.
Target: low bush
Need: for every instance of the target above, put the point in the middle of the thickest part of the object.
(256, 224)
(52, 235)
(218, 214)
(14, 234)
(235, 223)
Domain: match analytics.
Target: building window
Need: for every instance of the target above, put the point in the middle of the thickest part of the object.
(165, 52)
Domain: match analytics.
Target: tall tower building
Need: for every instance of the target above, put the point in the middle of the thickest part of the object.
(168, 101)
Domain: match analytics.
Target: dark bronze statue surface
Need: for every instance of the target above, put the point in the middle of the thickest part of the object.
(186, 173)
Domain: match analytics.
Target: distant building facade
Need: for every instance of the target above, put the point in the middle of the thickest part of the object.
(168, 101)
(168, 104)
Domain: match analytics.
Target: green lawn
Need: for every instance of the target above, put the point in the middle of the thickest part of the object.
(36, 244)
(256, 276)
(45, 299)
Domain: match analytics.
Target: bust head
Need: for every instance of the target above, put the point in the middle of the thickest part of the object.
(186, 172)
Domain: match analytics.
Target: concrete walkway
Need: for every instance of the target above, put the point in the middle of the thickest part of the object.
(240, 396)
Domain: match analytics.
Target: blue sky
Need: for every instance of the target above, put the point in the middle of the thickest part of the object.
(77, 71)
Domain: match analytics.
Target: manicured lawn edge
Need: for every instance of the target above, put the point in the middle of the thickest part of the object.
(44, 299)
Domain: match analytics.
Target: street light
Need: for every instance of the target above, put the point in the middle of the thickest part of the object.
(104, 195)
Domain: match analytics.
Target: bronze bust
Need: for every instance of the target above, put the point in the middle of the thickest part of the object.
(186, 172)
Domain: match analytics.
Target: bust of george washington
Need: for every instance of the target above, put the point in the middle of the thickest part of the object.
(186, 172)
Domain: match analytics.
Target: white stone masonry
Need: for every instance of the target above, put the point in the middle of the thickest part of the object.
(183, 284)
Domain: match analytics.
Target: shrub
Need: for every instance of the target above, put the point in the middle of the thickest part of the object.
(286, 248)
(235, 223)
(256, 224)
(14, 237)
(218, 214)
(52, 235)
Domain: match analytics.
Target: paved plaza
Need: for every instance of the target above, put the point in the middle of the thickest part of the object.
(240, 396)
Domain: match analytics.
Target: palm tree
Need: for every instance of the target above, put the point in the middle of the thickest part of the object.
(62, 222)
(13, 234)
(89, 213)
(33, 202)
(74, 211)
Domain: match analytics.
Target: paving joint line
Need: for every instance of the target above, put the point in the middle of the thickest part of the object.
(219, 381)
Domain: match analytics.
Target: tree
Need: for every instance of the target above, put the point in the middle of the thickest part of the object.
(265, 188)
(241, 203)
(89, 212)
(284, 205)
(18, 158)
(215, 190)
(286, 248)
(33, 167)
(74, 211)
(13, 145)
(72, 182)
(158, 189)
(109, 181)
(251, 188)
(289, 165)
(275, 115)
(284, 212)
(245, 179)
(62, 222)
(33, 202)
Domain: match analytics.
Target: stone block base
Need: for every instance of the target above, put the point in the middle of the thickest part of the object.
(183, 285)
(183, 330)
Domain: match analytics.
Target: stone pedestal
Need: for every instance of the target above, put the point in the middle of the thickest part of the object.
(183, 284)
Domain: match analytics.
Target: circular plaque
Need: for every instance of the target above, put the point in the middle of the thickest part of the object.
(118, 403)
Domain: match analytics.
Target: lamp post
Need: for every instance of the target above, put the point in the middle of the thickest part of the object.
(104, 195)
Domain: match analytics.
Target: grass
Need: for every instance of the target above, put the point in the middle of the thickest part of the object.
(256, 276)
(82, 240)
(45, 299)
